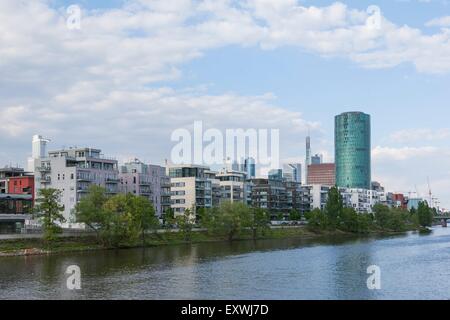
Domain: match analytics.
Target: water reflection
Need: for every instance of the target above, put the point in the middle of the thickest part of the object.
(268, 269)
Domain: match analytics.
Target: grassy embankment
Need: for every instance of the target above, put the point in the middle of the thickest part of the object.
(38, 246)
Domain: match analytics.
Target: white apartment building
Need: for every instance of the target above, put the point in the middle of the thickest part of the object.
(192, 187)
(319, 195)
(73, 171)
(362, 200)
(234, 187)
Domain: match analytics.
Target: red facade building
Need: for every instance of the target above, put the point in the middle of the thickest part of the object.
(324, 174)
(21, 185)
(399, 200)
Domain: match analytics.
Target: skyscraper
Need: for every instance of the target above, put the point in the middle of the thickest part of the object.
(316, 159)
(308, 155)
(352, 150)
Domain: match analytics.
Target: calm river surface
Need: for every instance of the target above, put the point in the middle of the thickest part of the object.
(412, 266)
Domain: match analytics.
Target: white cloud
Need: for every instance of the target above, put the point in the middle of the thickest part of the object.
(405, 153)
(406, 169)
(99, 85)
(420, 135)
(439, 22)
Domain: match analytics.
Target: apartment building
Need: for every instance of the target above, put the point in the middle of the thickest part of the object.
(362, 200)
(73, 171)
(276, 196)
(16, 199)
(234, 187)
(146, 180)
(193, 187)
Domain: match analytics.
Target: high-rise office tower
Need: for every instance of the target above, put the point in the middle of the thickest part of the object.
(316, 159)
(308, 155)
(353, 150)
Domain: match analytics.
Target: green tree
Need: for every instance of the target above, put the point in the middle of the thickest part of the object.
(230, 219)
(294, 215)
(185, 223)
(120, 227)
(317, 220)
(143, 214)
(90, 209)
(260, 222)
(48, 210)
(280, 216)
(425, 214)
(382, 215)
(334, 206)
(348, 220)
(397, 220)
(169, 217)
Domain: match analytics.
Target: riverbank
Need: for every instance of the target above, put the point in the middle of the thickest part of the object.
(28, 247)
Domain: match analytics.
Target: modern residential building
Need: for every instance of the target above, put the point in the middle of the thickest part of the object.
(146, 180)
(362, 200)
(294, 194)
(375, 185)
(8, 173)
(292, 172)
(73, 171)
(270, 194)
(16, 199)
(192, 188)
(15, 210)
(234, 187)
(353, 150)
(322, 174)
(400, 201)
(276, 174)
(319, 196)
(21, 185)
(276, 195)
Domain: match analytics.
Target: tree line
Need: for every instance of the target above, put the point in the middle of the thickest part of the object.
(336, 216)
(125, 219)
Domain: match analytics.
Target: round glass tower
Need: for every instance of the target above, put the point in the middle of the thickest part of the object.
(352, 150)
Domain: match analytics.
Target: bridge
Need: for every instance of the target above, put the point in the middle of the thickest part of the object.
(443, 217)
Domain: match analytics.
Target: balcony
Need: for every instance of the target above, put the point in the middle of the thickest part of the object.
(44, 169)
(84, 178)
(146, 192)
(46, 180)
(112, 180)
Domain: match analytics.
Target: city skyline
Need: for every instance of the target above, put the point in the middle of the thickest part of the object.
(105, 100)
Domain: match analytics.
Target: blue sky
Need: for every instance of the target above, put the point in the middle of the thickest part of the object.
(131, 76)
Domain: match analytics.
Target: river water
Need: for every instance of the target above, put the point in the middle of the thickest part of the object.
(412, 266)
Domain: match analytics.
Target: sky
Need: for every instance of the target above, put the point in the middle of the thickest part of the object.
(137, 70)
